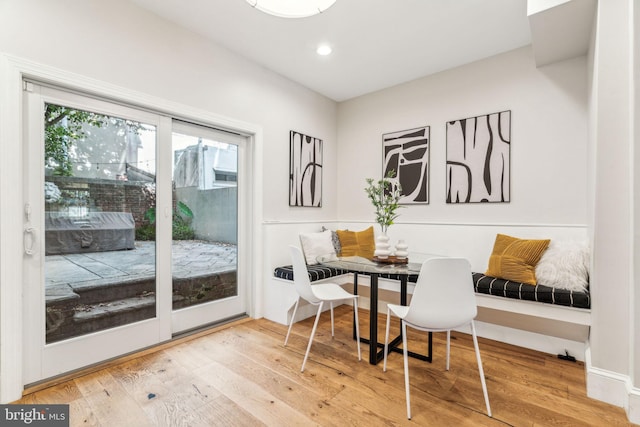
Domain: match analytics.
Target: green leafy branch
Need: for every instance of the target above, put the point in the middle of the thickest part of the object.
(385, 196)
(181, 224)
(65, 126)
(182, 213)
(62, 128)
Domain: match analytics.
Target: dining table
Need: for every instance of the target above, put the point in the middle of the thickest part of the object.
(403, 271)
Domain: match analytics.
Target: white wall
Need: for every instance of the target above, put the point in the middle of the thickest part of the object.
(613, 360)
(612, 226)
(548, 149)
(635, 315)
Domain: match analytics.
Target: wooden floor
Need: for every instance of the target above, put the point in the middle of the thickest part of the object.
(243, 376)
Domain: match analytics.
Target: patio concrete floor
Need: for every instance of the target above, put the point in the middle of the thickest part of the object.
(190, 258)
(93, 291)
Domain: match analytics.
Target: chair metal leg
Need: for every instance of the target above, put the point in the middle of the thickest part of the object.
(355, 314)
(406, 367)
(332, 329)
(313, 332)
(448, 347)
(482, 380)
(293, 317)
(386, 340)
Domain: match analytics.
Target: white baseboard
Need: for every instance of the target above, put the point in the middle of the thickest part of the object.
(534, 341)
(613, 388)
(633, 407)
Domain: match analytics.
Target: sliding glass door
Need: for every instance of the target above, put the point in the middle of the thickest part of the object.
(131, 229)
(207, 164)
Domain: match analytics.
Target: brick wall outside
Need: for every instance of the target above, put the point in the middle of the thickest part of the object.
(103, 195)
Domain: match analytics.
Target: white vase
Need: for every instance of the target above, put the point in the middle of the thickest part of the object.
(401, 249)
(382, 247)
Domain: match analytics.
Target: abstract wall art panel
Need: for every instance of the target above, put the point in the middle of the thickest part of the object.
(478, 159)
(407, 153)
(305, 170)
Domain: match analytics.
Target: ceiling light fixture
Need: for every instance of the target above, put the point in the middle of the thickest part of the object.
(292, 8)
(324, 50)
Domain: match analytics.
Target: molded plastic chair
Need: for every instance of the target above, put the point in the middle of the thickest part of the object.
(317, 295)
(443, 300)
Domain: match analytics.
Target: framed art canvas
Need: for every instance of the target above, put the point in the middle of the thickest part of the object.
(305, 170)
(407, 154)
(478, 159)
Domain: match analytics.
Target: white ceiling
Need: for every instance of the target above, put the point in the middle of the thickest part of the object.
(376, 43)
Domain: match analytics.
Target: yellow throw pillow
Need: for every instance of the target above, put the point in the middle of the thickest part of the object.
(357, 243)
(515, 259)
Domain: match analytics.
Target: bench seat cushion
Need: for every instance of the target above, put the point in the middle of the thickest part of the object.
(316, 272)
(539, 293)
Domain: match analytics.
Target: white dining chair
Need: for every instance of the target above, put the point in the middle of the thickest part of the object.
(317, 295)
(443, 299)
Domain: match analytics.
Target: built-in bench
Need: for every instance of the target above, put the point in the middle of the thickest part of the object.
(320, 272)
(483, 285)
(539, 319)
(541, 309)
(552, 319)
(522, 291)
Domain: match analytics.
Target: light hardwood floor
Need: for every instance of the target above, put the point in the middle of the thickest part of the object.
(241, 375)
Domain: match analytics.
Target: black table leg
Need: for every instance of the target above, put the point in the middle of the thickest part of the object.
(403, 290)
(374, 355)
(393, 344)
(373, 321)
(355, 292)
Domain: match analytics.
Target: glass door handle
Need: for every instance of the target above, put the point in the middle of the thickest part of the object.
(29, 240)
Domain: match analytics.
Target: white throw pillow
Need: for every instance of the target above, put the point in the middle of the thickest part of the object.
(564, 265)
(315, 245)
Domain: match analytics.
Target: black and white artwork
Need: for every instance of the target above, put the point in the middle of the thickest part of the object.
(407, 153)
(478, 159)
(305, 170)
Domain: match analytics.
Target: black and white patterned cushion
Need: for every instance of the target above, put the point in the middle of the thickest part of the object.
(539, 293)
(316, 272)
(319, 272)
(482, 284)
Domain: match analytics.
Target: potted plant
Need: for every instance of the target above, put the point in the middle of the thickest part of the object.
(385, 196)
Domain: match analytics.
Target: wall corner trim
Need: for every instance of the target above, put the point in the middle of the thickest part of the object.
(633, 406)
(612, 388)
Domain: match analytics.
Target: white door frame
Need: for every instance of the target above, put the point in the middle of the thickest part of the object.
(12, 72)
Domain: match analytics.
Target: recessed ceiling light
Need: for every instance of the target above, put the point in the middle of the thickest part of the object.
(324, 50)
(292, 8)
